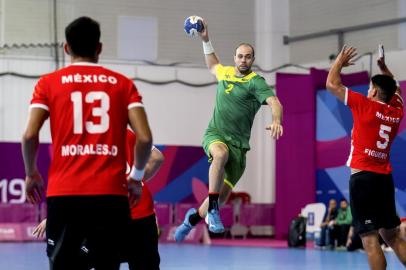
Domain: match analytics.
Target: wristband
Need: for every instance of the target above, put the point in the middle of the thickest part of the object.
(397, 83)
(137, 174)
(208, 48)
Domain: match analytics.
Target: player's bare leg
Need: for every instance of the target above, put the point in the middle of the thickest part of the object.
(218, 193)
(376, 258)
(219, 153)
(393, 238)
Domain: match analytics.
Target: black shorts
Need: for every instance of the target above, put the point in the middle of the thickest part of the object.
(142, 252)
(372, 200)
(99, 222)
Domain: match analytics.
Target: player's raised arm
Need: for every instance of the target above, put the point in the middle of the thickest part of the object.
(208, 50)
(344, 59)
(385, 70)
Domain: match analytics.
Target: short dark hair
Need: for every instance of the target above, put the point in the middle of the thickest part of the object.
(83, 36)
(245, 44)
(386, 87)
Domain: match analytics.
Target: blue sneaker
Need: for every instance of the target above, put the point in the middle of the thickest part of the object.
(214, 221)
(184, 229)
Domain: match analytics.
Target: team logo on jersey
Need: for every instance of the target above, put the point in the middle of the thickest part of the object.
(368, 221)
(84, 249)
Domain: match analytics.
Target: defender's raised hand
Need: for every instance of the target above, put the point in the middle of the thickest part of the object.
(346, 56)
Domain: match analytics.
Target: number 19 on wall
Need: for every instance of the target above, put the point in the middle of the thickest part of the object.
(12, 191)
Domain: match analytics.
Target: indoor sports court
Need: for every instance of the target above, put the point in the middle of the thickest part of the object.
(221, 257)
(276, 133)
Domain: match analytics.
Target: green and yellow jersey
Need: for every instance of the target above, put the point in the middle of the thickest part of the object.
(238, 100)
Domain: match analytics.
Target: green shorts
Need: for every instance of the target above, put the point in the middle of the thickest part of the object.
(235, 165)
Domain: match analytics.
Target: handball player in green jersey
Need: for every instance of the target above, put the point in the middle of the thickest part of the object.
(240, 94)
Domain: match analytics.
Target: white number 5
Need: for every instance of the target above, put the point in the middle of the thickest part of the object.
(91, 97)
(384, 134)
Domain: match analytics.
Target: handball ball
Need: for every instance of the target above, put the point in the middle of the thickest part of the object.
(193, 25)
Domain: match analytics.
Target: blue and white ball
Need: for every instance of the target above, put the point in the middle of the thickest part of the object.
(193, 25)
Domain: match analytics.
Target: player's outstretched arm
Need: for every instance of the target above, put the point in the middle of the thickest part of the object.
(208, 50)
(386, 71)
(154, 163)
(276, 128)
(333, 83)
(34, 184)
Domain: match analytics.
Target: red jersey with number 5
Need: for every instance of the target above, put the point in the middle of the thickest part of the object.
(145, 206)
(88, 110)
(375, 127)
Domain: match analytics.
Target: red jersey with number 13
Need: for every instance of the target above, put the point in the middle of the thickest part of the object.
(88, 109)
(375, 127)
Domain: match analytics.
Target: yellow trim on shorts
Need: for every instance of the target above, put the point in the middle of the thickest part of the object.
(214, 142)
(228, 183)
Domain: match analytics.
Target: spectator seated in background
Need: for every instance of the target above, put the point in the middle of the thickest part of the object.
(341, 225)
(327, 224)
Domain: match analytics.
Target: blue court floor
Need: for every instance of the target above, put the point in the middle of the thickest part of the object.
(27, 256)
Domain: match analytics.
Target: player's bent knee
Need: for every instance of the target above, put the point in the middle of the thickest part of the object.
(220, 155)
(370, 245)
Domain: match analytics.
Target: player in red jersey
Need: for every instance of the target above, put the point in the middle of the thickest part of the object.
(376, 123)
(89, 108)
(142, 252)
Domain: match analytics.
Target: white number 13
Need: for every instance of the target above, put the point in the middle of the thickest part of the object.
(384, 134)
(91, 97)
